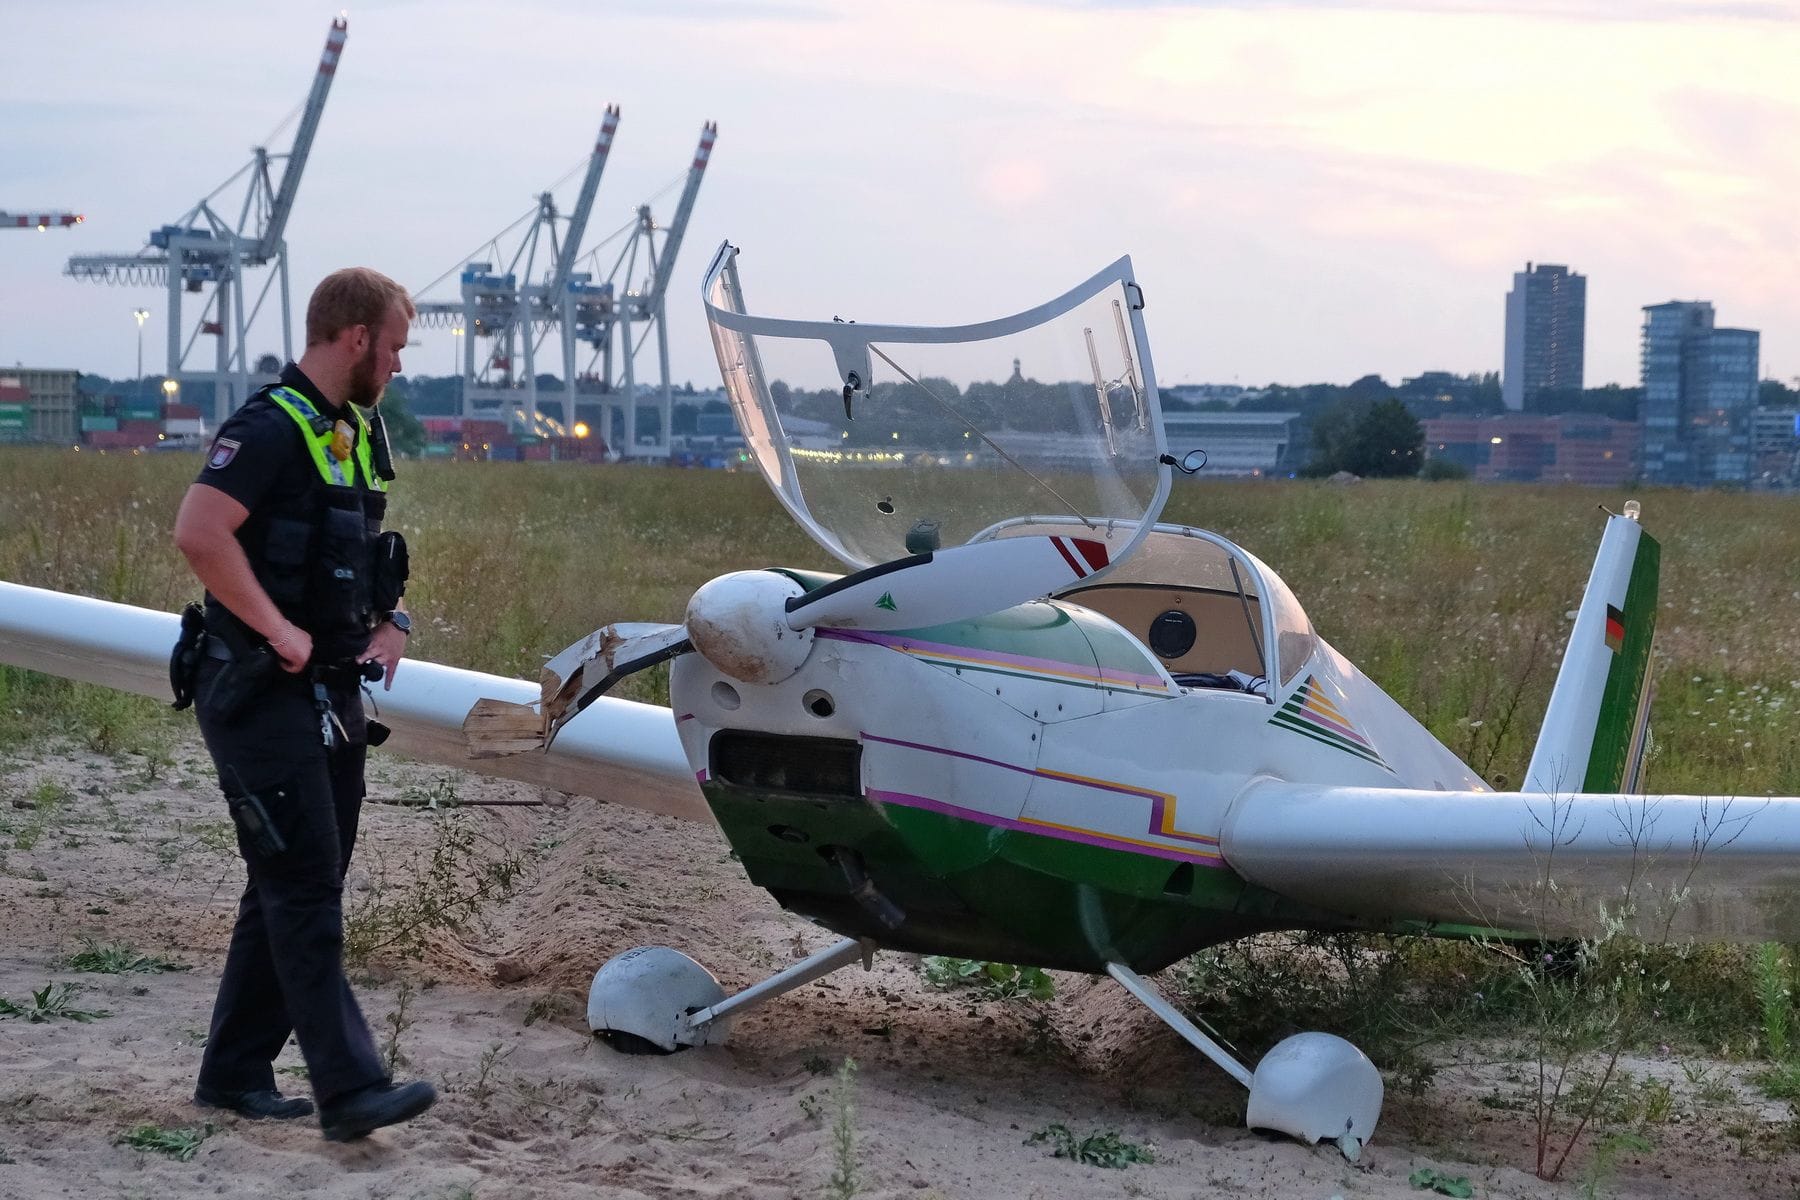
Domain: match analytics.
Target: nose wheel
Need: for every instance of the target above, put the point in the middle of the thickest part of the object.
(658, 999)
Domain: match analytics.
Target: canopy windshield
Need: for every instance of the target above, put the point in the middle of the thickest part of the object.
(884, 440)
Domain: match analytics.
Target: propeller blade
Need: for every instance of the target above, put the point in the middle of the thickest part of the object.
(949, 585)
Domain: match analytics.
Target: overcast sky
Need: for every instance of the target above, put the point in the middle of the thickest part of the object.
(1311, 191)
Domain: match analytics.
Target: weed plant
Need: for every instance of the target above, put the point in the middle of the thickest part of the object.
(398, 1022)
(491, 1059)
(52, 1002)
(846, 1177)
(179, 1144)
(989, 980)
(119, 960)
(1430, 1179)
(1102, 1148)
(442, 887)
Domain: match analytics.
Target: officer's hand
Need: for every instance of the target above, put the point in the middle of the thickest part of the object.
(387, 646)
(295, 648)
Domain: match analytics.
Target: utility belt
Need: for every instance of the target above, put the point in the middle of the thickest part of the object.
(249, 672)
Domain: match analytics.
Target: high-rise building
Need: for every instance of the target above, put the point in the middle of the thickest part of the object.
(1546, 328)
(1699, 396)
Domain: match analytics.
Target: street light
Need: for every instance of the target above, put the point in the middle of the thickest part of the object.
(142, 314)
(455, 350)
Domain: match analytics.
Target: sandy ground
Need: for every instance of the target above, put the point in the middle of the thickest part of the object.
(947, 1091)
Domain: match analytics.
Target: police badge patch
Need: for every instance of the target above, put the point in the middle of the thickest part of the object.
(223, 451)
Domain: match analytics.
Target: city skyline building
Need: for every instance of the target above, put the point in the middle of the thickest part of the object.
(1700, 387)
(1546, 334)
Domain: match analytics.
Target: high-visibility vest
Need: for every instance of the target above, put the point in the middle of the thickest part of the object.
(318, 431)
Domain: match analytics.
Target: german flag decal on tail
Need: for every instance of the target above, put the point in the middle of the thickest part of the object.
(1615, 629)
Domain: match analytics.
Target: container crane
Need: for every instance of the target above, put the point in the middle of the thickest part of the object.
(202, 249)
(640, 278)
(515, 316)
(39, 221)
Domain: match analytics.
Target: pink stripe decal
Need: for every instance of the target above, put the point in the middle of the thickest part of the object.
(1068, 835)
(1317, 718)
(1158, 801)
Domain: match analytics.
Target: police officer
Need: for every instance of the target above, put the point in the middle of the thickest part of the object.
(281, 526)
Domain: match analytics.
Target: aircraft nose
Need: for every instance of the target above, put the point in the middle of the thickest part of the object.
(738, 623)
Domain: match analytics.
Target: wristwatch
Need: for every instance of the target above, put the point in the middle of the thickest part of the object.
(400, 621)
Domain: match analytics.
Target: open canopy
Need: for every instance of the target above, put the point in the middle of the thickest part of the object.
(886, 440)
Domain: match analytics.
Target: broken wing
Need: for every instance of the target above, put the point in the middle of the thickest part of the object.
(617, 750)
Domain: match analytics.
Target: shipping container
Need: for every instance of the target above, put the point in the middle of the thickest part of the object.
(181, 412)
(99, 424)
(149, 428)
(192, 427)
(113, 439)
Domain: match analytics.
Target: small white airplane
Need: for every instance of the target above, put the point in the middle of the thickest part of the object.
(1034, 725)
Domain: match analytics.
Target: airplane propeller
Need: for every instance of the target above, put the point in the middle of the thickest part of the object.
(757, 626)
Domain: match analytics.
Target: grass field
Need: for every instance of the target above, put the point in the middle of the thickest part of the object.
(1456, 598)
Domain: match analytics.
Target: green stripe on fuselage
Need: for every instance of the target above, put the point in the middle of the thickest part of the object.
(1323, 735)
(975, 890)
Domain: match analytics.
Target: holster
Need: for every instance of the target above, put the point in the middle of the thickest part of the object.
(184, 659)
(243, 678)
(389, 571)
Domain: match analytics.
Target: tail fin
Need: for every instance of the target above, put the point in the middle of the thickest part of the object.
(1599, 716)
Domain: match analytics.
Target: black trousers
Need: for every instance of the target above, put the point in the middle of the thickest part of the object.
(285, 969)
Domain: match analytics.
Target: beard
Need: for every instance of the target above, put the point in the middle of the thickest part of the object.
(365, 389)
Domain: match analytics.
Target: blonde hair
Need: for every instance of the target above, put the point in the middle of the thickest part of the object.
(350, 297)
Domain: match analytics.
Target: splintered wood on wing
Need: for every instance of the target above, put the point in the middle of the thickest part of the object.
(498, 728)
(570, 682)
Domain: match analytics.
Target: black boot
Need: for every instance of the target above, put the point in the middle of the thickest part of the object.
(255, 1104)
(366, 1109)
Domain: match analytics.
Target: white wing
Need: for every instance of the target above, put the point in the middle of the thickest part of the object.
(617, 750)
(1708, 867)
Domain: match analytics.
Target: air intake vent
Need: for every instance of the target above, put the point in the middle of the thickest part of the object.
(809, 766)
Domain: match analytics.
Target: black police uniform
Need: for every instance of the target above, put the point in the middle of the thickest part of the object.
(285, 970)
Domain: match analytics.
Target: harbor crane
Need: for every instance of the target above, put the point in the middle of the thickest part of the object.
(641, 279)
(513, 317)
(39, 221)
(517, 316)
(203, 250)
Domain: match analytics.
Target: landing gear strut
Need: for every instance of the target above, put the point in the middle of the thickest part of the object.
(1312, 1086)
(663, 998)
